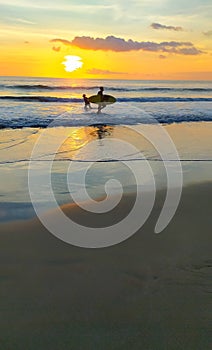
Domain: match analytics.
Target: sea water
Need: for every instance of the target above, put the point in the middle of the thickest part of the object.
(36, 102)
(43, 111)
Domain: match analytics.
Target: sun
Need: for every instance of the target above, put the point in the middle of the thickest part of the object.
(72, 63)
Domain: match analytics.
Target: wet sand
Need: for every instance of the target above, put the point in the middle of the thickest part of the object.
(152, 291)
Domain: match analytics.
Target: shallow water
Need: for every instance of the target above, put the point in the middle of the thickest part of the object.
(107, 151)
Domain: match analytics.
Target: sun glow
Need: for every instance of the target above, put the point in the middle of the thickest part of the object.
(72, 63)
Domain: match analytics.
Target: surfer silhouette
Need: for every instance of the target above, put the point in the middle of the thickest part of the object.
(101, 105)
(87, 103)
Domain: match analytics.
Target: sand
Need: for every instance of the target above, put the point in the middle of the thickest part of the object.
(149, 292)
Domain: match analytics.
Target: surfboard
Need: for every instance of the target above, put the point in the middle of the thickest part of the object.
(107, 99)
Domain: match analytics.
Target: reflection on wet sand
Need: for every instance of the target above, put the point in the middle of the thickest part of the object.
(102, 130)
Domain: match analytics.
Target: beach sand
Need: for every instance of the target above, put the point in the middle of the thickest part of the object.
(152, 291)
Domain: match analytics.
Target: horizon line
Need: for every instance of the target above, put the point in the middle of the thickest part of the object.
(121, 79)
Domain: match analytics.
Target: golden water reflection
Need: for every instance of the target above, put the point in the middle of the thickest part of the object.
(78, 138)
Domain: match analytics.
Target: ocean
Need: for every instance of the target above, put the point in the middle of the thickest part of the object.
(36, 102)
(44, 111)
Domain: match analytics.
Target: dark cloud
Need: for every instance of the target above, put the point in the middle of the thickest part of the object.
(62, 41)
(57, 49)
(112, 43)
(162, 26)
(208, 33)
(101, 71)
(189, 51)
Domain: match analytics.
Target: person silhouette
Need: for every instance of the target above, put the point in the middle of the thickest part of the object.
(101, 104)
(87, 103)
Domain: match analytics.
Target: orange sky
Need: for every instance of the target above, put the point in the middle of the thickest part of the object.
(26, 33)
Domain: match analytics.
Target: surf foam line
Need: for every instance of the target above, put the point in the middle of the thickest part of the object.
(46, 122)
(49, 99)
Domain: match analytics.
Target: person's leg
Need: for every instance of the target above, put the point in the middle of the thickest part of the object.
(99, 108)
(103, 105)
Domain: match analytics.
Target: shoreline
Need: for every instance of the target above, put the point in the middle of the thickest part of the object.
(128, 197)
(23, 212)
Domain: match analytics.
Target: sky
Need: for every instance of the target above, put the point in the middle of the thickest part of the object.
(136, 39)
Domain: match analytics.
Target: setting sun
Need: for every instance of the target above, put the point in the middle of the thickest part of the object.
(72, 63)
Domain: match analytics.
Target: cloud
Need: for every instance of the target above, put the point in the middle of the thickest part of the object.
(63, 5)
(102, 71)
(57, 49)
(162, 56)
(20, 20)
(112, 43)
(24, 21)
(189, 51)
(62, 41)
(208, 33)
(162, 26)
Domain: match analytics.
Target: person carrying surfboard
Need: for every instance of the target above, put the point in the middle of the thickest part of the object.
(101, 100)
(101, 105)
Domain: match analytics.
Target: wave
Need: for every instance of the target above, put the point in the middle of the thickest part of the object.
(164, 99)
(47, 87)
(41, 99)
(39, 87)
(122, 99)
(96, 121)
